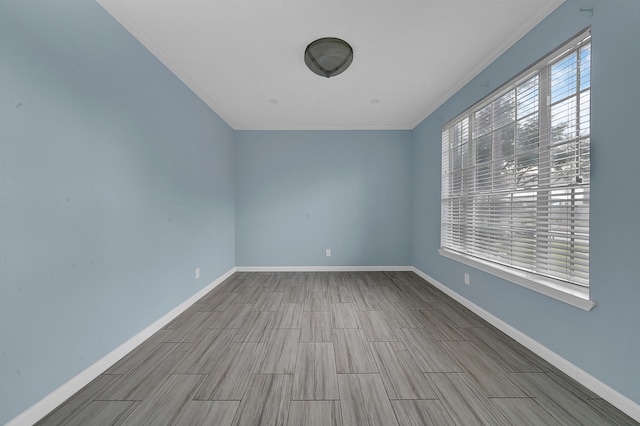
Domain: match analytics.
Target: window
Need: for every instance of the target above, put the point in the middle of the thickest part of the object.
(515, 177)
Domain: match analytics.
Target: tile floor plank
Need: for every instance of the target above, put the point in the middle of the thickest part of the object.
(218, 302)
(555, 398)
(376, 327)
(103, 413)
(499, 350)
(289, 315)
(399, 372)
(277, 353)
(611, 413)
(255, 326)
(317, 301)
(233, 317)
(412, 303)
(332, 348)
(458, 315)
(206, 352)
(205, 413)
(365, 301)
(249, 294)
(294, 295)
(521, 411)
(489, 375)
(340, 294)
(269, 301)
(386, 294)
(427, 353)
(140, 354)
(79, 401)
(421, 413)
(344, 315)
(139, 383)
(438, 326)
(315, 378)
(315, 413)
(464, 401)
(397, 317)
(353, 354)
(266, 402)
(194, 330)
(164, 404)
(364, 401)
(576, 388)
(316, 327)
(531, 358)
(186, 315)
(227, 379)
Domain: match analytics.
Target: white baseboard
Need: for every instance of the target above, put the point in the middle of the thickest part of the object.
(61, 394)
(615, 398)
(323, 268)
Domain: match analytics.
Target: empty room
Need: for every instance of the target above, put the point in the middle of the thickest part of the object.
(279, 212)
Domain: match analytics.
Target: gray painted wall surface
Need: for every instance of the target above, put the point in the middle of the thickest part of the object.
(301, 192)
(602, 342)
(116, 182)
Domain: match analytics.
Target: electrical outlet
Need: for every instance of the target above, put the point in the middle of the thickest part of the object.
(466, 279)
(197, 273)
(327, 252)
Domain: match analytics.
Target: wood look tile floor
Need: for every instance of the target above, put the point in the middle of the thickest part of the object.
(334, 348)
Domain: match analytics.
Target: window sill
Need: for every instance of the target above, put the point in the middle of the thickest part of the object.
(577, 297)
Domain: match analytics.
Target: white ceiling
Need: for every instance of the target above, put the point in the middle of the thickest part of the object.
(244, 58)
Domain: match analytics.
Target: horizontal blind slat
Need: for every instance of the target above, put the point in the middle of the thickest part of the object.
(515, 190)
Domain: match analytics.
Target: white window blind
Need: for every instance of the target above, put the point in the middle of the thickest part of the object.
(515, 172)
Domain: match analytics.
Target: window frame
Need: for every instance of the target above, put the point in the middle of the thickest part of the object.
(573, 294)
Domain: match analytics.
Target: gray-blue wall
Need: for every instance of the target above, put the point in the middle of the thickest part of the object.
(603, 342)
(116, 182)
(301, 192)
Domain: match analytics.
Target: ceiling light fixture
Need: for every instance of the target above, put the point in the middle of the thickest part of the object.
(328, 56)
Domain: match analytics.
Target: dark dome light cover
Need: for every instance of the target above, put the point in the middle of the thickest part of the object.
(328, 56)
